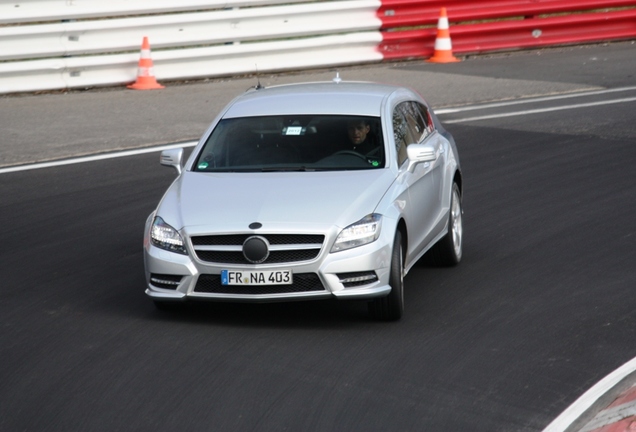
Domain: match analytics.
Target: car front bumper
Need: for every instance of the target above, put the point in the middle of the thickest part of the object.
(358, 273)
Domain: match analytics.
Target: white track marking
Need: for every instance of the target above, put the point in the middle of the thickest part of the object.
(532, 100)
(541, 110)
(96, 157)
(574, 411)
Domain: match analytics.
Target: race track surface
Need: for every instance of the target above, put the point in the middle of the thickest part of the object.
(541, 307)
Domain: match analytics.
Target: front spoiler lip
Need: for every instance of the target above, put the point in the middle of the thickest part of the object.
(351, 293)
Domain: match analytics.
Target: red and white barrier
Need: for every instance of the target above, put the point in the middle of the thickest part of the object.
(297, 35)
(532, 32)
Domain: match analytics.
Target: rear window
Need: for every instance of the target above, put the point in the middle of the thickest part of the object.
(293, 143)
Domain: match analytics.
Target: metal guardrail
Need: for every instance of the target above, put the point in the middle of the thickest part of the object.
(57, 44)
(189, 45)
(187, 29)
(30, 11)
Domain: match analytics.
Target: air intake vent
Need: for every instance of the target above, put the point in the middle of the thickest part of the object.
(303, 282)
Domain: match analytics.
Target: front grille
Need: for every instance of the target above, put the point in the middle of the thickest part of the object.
(303, 282)
(165, 281)
(273, 239)
(284, 248)
(275, 257)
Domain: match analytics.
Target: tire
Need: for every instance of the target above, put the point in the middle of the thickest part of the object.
(448, 251)
(391, 307)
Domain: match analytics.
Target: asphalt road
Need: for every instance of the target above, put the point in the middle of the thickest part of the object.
(540, 308)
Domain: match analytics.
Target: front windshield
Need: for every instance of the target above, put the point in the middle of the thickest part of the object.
(293, 143)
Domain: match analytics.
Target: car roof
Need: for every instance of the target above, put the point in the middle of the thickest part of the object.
(344, 98)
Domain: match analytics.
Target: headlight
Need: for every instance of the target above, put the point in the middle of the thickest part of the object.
(366, 230)
(165, 237)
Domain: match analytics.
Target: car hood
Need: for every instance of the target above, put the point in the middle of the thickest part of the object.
(203, 202)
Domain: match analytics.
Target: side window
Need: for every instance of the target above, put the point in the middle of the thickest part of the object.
(411, 125)
(417, 119)
(401, 133)
(426, 116)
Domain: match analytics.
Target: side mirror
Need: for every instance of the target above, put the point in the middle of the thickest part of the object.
(172, 158)
(419, 153)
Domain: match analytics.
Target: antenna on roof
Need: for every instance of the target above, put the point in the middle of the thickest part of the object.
(337, 79)
(258, 79)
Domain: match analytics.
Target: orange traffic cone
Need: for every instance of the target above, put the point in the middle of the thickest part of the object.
(145, 75)
(443, 47)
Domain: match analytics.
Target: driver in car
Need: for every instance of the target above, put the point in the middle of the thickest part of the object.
(363, 141)
(358, 132)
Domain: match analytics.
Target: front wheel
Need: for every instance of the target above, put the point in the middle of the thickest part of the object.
(391, 307)
(448, 250)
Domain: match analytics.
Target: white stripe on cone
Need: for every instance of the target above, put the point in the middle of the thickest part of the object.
(145, 72)
(443, 44)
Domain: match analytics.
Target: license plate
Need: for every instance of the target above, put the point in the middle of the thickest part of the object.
(241, 277)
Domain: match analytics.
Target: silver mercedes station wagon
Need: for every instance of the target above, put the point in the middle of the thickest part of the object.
(308, 191)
